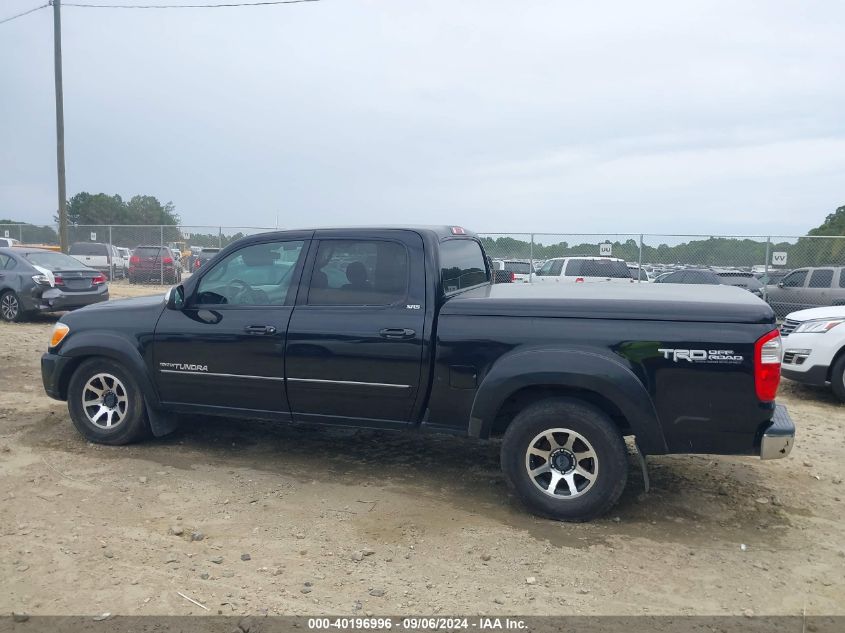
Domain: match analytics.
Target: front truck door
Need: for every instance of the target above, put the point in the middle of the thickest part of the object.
(225, 349)
(355, 341)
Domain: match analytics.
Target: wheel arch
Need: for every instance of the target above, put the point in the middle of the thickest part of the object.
(524, 377)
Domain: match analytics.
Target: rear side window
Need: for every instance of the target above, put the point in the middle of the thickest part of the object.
(359, 272)
(462, 265)
(551, 268)
(90, 249)
(822, 278)
(607, 268)
(795, 279)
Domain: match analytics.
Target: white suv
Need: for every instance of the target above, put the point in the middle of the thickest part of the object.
(520, 269)
(584, 270)
(814, 347)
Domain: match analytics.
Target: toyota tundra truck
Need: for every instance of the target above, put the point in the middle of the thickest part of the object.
(401, 328)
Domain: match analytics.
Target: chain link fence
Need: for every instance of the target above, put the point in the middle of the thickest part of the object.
(790, 272)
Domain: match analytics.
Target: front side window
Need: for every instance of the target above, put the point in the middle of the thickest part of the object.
(821, 278)
(260, 274)
(795, 280)
(551, 268)
(359, 273)
(462, 265)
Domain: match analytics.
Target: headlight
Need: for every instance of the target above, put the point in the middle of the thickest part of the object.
(60, 331)
(818, 326)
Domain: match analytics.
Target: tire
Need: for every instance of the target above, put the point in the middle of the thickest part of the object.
(124, 419)
(837, 378)
(577, 429)
(11, 309)
(132, 280)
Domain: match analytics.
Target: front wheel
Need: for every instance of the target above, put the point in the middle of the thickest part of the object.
(105, 403)
(837, 378)
(565, 459)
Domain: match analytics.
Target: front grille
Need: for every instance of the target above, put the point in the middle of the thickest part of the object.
(788, 326)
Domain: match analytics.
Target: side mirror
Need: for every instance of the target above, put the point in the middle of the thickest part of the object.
(176, 298)
(780, 284)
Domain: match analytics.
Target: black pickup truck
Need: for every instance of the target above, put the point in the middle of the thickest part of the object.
(402, 329)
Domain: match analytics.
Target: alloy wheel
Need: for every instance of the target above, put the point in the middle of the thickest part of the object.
(562, 463)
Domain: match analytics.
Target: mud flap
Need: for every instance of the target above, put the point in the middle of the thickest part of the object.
(161, 423)
(644, 466)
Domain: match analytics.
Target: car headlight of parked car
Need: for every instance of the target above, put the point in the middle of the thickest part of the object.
(818, 326)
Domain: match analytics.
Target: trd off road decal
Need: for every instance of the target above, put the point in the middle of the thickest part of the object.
(701, 355)
(183, 367)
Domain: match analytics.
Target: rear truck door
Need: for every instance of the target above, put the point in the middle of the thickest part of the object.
(355, 340)
(225, 348)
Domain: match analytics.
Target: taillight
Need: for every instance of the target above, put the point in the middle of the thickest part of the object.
(99, 279)
(134, 259)
(167, 260)
(579, 280)
(58, 281)
(513, 277)
(196, 263)
(767, 355)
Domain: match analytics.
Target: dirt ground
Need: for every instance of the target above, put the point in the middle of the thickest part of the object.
(295, 520)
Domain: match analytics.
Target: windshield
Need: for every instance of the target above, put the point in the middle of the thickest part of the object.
(55, 261)
(520, 268)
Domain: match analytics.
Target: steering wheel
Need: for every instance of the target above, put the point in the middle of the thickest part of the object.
(240, 290)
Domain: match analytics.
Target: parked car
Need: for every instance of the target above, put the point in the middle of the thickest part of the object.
(806, 288)
(814, 347)
(400, 328)
(640, 274)
(154, 264)
(706, 276)
(36, 280)
(103, 257)
(6, 242)
(125, 254)
(201, 258)
(520, 270)
(584, 269)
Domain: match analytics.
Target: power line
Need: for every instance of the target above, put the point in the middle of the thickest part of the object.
(20, 15)
(184, 6)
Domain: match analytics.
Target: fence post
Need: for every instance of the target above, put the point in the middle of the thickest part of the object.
(640, 262)
(112, 274)
(219, 237)
(161, 254)
(531, 257)
(766, 268)
(20, 233)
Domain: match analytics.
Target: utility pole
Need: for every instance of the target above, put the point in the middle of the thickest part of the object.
(60, 122)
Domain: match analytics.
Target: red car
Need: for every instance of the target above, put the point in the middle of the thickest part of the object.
(154, 264)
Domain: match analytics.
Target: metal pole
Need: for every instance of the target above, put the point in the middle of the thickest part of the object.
(531, 255)
(161, 255)
(60, 122)
(766, 269)
(20, 233)
(113, 271)
(640, 262)
(219, 237)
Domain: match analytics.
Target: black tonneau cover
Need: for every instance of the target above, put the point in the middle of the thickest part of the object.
(638, 301)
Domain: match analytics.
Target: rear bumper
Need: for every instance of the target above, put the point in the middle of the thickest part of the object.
(56, 300)
(778, 439)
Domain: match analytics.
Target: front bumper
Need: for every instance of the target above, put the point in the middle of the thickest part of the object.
(815, 375)
(778, 439)
(52, 369)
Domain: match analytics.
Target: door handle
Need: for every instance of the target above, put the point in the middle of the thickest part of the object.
(396, 333)
(260, 329)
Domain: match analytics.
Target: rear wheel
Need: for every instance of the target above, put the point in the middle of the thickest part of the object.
(837, 378)
(105, 403)
(565, 459)
(10, 307)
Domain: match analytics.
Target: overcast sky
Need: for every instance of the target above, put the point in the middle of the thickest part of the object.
(526, 115)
